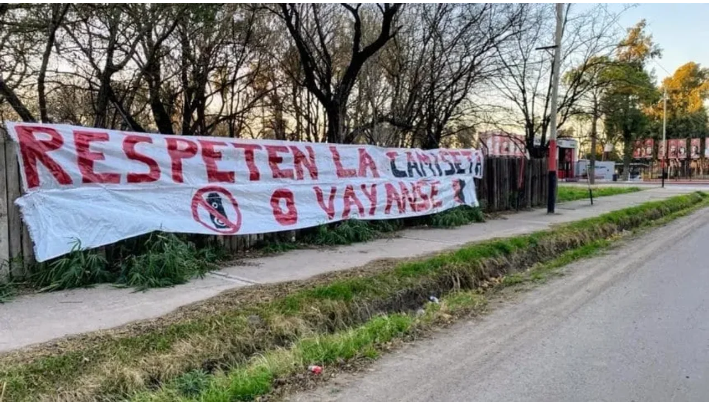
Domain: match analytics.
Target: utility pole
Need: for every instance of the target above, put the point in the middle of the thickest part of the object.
(663, 157)
(552, 156)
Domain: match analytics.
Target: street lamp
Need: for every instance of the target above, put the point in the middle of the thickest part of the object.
(552, 156)
(663, 157)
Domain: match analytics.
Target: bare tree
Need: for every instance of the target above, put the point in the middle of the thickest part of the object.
(102, 42)
(450, 55)
(527, 63)
(19, 40)
(325, 77)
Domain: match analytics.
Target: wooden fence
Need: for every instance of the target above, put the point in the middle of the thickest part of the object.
(15, 242)
(513, 184)
(508, 184)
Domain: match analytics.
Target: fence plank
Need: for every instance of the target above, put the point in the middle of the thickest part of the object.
(13, 212)
(528, 183)
(4, 224)
(28, 252)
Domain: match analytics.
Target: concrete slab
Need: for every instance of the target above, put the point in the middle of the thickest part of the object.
(38, 318)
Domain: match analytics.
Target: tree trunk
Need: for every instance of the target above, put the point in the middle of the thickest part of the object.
(100, 120)
(153, 75)
(335, 117)
(627, 158)
(15, 102)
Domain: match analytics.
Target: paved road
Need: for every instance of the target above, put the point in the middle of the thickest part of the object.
(628, 326)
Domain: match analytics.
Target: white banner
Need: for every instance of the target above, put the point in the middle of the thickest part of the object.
(99, 186)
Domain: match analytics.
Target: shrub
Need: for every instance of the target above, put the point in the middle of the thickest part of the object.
(459, 216)
(7, 292)
(167, 261)
(345, 233)
(79, 268)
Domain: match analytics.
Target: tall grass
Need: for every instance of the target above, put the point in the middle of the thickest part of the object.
(459, 216)
(79, 268)
(162, 260)
(7, 291)
(344, 233)
(167, 261)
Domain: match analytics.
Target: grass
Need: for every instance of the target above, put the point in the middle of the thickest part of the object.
(571, 193)
(543, 271)
(255, 378)
(236, 345)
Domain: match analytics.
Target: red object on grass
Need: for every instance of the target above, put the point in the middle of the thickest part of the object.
(315, 369)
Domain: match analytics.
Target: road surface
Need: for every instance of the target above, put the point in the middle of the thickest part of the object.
(631, 325)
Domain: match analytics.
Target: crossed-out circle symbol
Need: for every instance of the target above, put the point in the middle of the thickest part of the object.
(220, 220)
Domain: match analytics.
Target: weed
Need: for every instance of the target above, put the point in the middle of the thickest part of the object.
(388, 225)
(346, 232)
(167, 261)
(79, 268)
(458, 216)
(7, 291)
(512, 279)
(212, 253)
(192, 383)
(279, 247)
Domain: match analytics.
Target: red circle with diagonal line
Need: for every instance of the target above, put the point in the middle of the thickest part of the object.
(199, 201)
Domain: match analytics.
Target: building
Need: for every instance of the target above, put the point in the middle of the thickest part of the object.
(503, 144)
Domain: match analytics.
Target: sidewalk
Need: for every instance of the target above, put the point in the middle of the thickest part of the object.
(39, 318)
(638, 183)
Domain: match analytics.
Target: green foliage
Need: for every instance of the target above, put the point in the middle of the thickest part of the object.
(211, 253)
(79, 268)
(161, 260)
(7, 291)
(458, 216)
(631, 90)
(690, 124)
(167, 261)
(192, 383)
(388, 225)
(279, 247)
(567, 193)
(345, 233)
